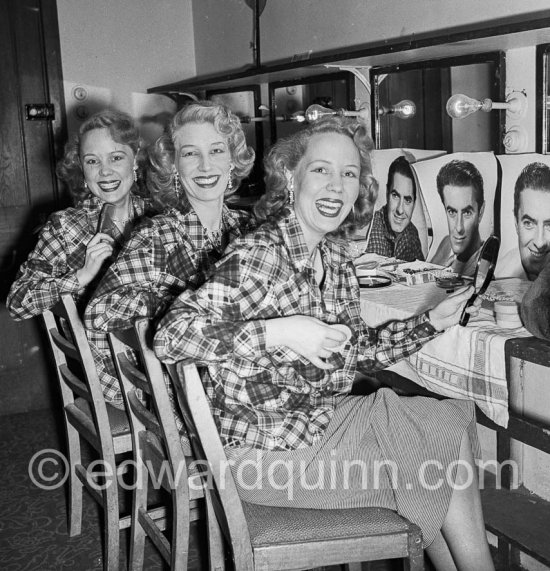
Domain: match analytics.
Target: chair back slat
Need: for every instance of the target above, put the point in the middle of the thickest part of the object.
(131, 371)
(74, 383)
(208, 448)
(143, 414)
(64, 345)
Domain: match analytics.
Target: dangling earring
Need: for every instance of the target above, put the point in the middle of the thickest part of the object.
(85, 185)
(230, 181)
(290, 188)
(135, 172)
(176, 181)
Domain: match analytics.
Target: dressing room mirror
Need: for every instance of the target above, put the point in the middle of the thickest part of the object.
(484, 272)
(428, 85)
(292, 98)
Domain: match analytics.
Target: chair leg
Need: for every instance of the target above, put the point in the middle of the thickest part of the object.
(75, 485)
(112, 523)
(137, 545)
(415, 561)
(216, 553)
(179, 546)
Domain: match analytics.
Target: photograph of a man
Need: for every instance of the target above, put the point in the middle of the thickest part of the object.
(460, 187)
(392, 233)
(532, 221)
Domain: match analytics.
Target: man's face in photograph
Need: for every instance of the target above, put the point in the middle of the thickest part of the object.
(533, 227)
(463, 216)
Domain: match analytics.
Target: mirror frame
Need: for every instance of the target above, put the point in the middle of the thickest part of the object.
(346, 75)
(255, 178)
(497, 58)
(542, 99)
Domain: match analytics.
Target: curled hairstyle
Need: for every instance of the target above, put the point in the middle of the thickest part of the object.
(400, 166)
(162, 155)
(122, 129)
(535, 176)
(286, 154)
(461, 173)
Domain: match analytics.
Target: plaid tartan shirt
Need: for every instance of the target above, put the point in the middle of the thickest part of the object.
(274, 398)
(385, 242)
(50, 270)
(164, 255)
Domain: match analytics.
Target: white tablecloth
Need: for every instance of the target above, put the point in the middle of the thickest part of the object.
(463, 362)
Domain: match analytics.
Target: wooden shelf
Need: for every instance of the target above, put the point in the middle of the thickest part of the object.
(502, 34)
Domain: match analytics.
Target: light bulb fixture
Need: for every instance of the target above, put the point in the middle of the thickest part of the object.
(297, 116)
(315, 112)
(460, 105)
(403, 110)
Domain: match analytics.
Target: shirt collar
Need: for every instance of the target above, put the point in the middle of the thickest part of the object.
(335, 252)
(229, 220)
(93, 203)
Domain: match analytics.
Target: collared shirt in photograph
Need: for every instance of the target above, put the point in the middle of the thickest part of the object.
(445, 257)
(385, 242)
(50, 271)
(275, 398)
(165, 255)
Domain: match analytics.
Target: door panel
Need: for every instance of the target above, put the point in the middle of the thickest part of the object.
(30, 69)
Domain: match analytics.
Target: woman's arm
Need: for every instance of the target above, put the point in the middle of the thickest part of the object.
(385, 345)
(45, 275)
(240, 312)
(138, 283)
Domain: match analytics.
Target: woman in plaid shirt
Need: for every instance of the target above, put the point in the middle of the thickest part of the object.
(192, 170)
(100, 167)
(270, 327)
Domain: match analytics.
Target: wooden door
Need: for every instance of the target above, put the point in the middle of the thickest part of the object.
(30, 72)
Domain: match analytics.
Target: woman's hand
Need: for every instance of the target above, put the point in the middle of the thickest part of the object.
(448, 312)
(305, 335)
(99, 248)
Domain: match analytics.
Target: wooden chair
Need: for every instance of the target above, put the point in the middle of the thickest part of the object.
(88, 416)
(280, 538)
(160, 456)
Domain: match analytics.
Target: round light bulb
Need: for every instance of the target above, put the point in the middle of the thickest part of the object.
(405, 109)
(460, 106)
(315, 112)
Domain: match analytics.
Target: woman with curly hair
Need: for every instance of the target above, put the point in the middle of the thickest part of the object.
(99, 166)
(192, 170)
(278, 327)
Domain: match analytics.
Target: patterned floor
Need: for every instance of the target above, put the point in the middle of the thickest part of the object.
(33, 522)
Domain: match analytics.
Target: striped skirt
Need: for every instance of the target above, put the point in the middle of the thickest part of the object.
(380, 450)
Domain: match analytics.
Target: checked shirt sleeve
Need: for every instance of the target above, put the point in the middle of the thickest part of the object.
(384, 346)
(135, 285)
(225, 317)
(44, 276)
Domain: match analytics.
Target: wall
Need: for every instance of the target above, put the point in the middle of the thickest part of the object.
(291, 27)
(116, 50)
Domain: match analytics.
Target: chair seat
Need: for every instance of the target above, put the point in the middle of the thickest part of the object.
(118, 418)
(273, 525)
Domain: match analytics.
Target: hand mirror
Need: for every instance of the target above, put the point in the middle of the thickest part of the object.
(485, 268)
(105, 224)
